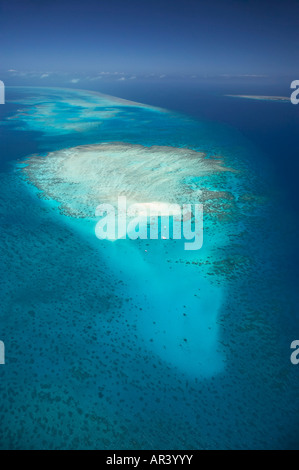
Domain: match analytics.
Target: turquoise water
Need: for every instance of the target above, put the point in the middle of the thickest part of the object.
(140, 344)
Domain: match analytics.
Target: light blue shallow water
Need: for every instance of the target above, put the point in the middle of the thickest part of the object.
(139, 344)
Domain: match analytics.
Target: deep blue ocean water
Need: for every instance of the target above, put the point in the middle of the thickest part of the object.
(106, 348)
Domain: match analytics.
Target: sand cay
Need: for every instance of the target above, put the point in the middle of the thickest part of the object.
(82, 177)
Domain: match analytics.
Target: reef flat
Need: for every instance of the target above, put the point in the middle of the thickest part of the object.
(262, 98)
(82, 177)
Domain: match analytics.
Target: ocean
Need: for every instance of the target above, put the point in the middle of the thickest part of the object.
(141, 344)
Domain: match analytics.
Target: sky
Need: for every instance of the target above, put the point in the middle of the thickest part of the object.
(126, 39)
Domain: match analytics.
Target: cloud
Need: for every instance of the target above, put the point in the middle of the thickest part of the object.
(122, 79)
(111, 73)
(45, 75)
(92, 79)
(75, 80)
(226, 75)
(253, 76)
